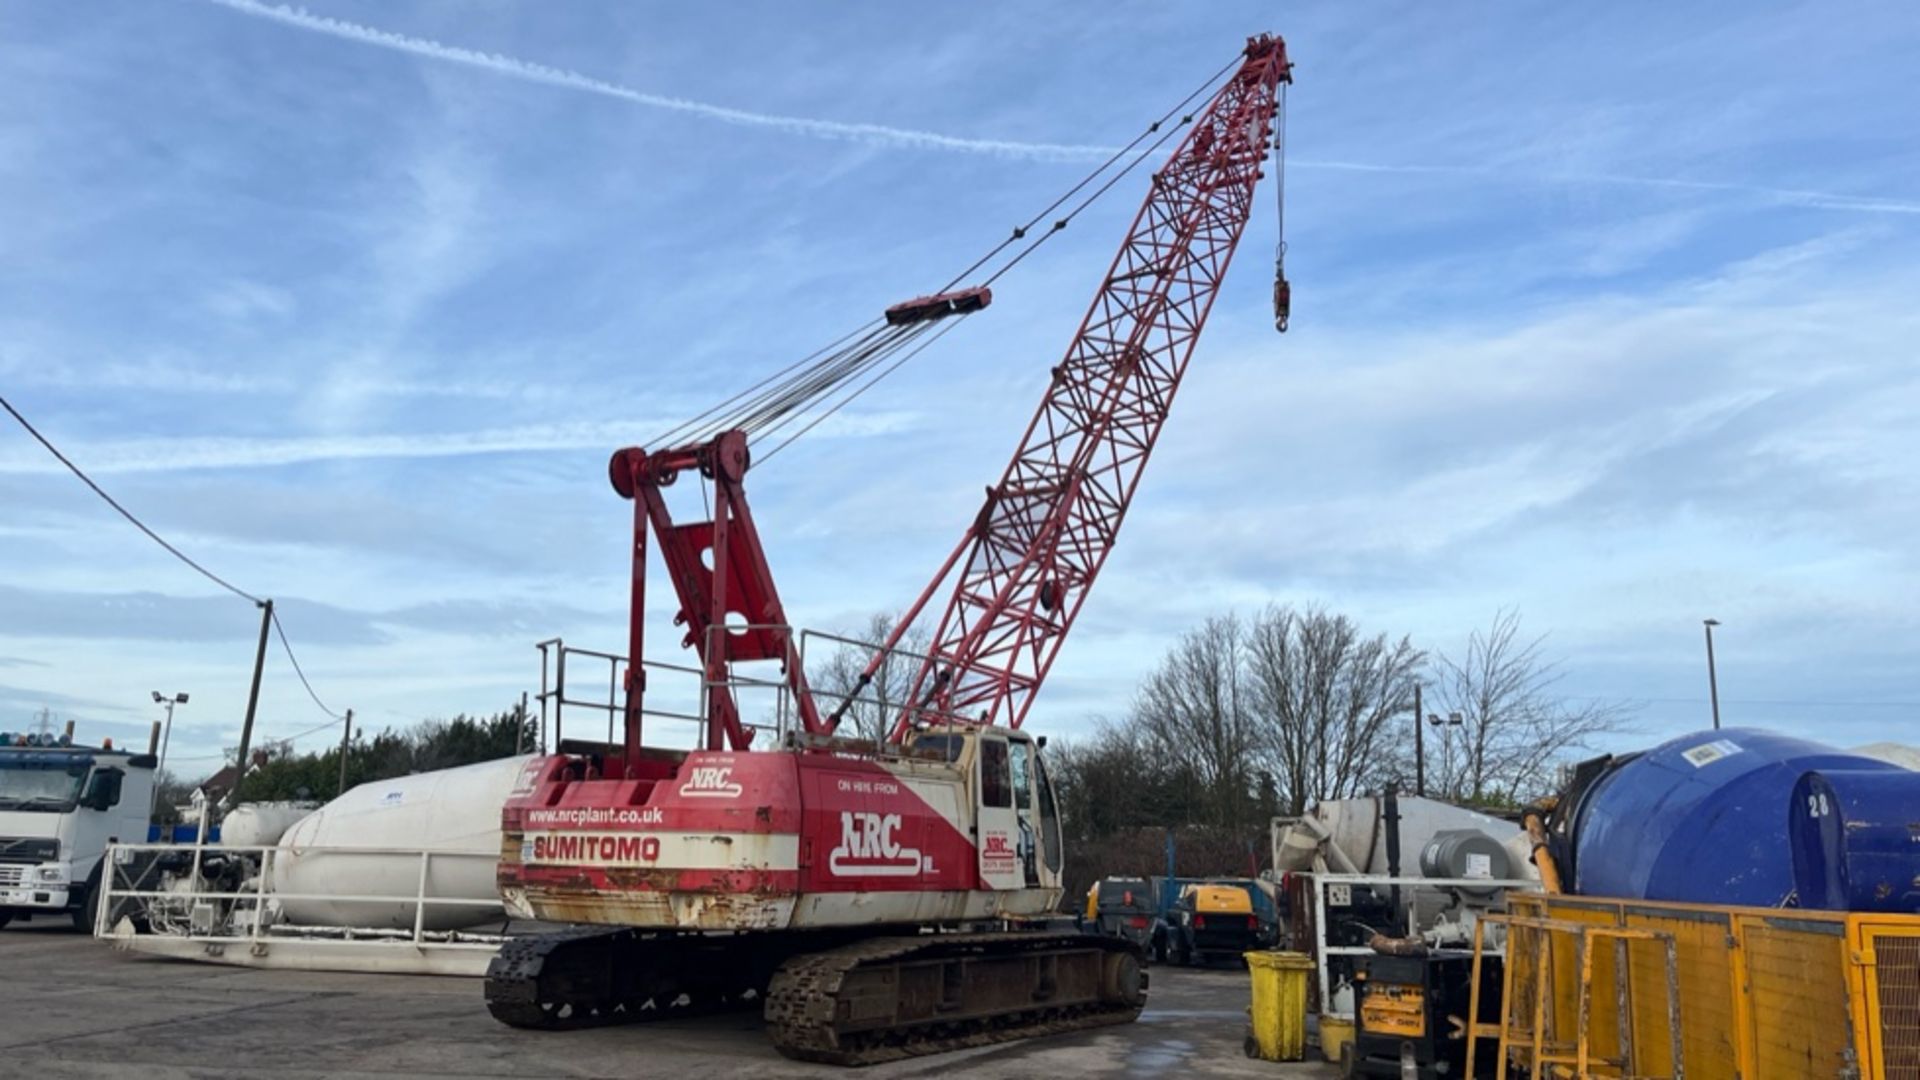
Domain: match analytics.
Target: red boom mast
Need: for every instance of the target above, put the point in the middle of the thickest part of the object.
(1040, 540)
(1046, 528)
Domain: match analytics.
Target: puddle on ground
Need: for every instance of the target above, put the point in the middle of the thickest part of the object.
(1160, 1057)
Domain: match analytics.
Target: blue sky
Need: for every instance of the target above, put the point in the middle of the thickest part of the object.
(1605, 313)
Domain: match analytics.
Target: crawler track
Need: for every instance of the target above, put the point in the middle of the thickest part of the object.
(595, 977)
(891, 998)
(824, 998)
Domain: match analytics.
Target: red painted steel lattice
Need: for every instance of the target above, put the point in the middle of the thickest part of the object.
(1049, 524)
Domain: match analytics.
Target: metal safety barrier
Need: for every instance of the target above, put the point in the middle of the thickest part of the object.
(601, 693)
(1550, 960)
(157, 900)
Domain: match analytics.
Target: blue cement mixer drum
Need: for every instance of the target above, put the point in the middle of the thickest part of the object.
(1856, 840)
(1706, 818)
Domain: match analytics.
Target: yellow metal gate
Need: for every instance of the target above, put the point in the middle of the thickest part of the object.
(1764, 993)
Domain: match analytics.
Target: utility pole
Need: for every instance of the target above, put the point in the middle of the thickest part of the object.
(253, 703)
(1713, 681)
(1419, 746)
(346, 739)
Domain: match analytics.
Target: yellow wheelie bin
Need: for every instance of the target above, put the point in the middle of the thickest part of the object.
(1278, 1018)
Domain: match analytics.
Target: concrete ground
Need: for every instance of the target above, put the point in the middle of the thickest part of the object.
(71, 1007)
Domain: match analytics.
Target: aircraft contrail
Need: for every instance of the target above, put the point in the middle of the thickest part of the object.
(873, 134)
(912, 138)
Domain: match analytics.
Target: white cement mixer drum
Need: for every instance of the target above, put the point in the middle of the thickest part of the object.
(262, 824)
(454, 813)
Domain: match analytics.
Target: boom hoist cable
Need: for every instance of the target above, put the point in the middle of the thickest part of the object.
(1282, 291)
(825, 381)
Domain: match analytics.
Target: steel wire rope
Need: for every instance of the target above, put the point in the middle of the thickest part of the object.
(1084, 203)
(866, 363)
(1021, 230)
(785, 387)
(1280, 184)
(1058, 226)
(819, 374)
(937, 335)
(817, 381)
(690, 422)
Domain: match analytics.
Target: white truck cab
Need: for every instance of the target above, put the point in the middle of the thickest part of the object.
(60, 806)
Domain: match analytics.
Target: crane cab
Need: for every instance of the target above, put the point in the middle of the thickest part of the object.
(1015, 814)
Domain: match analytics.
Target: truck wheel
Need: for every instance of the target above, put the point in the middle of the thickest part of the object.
(88, 912)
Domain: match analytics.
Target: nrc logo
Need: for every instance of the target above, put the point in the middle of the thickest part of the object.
(996, 845)
(711, 782)
(870, 847)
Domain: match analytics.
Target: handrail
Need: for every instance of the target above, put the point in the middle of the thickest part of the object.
(119, 857)
(556, 694)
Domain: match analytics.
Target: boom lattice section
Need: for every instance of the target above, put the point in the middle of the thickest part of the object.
(1050, 522)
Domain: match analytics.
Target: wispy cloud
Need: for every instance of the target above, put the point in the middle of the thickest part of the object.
(513, 67)
(917, 139)
(1819, 200)
(167, 455)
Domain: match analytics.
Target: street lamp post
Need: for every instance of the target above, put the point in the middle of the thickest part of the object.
(1713, 681)
(1446, 726)
(166, 735)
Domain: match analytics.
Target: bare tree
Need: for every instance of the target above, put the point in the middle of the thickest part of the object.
(1191, 710)
(1514, 731)
(1324, 697)
(1116, 780)
(873, 707)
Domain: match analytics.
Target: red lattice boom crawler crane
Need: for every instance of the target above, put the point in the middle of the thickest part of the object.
(869, 895)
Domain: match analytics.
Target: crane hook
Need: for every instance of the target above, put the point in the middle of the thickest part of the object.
(1282, 297)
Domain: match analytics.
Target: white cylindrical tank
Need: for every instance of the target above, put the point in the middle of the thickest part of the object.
(453, 813)
(261, 824)
(1356, 827)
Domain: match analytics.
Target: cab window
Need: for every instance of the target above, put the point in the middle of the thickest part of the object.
(996, 788)
(1051, 845)
(948, 746)
(1022, 775)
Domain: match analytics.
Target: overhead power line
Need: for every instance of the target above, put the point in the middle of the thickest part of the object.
(123, 511)
(281, 632)
(132, 519)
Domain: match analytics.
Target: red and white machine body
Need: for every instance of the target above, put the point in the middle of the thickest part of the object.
(799, 839)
